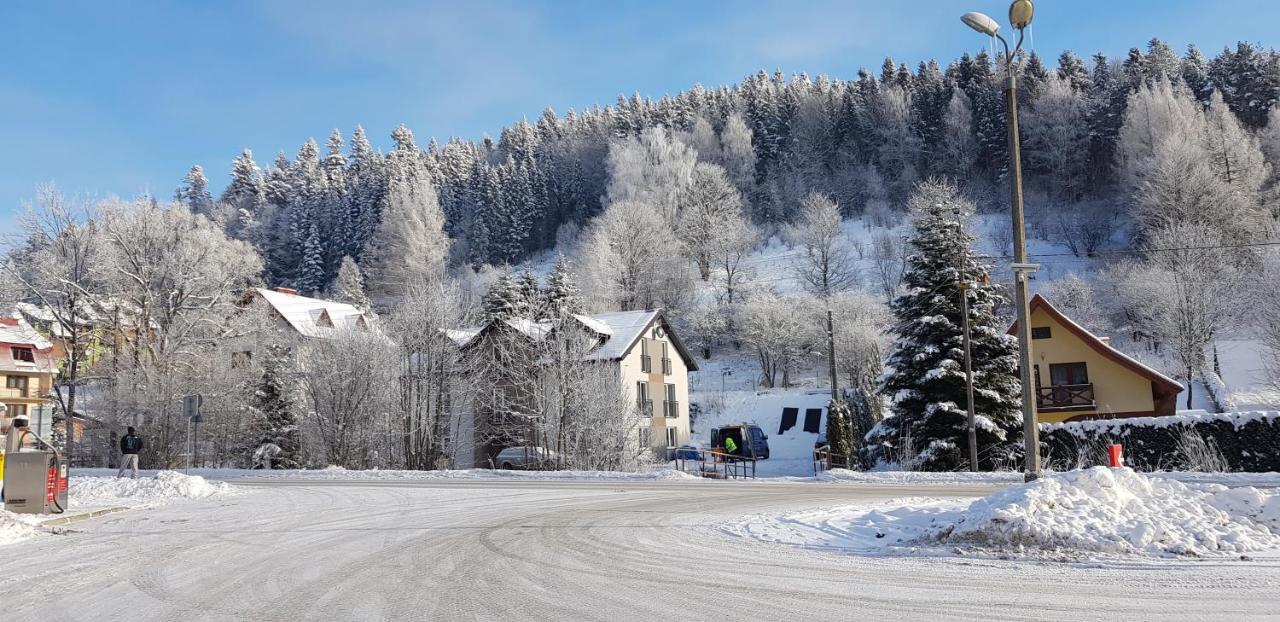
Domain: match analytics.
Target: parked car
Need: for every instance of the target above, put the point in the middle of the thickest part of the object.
(752, 442)
(524, 458)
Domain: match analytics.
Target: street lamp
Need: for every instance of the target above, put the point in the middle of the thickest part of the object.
(1020, 14)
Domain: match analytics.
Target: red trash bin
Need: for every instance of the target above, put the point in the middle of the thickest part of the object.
(1116, 454)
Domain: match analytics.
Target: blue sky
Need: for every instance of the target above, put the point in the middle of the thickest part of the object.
(121, 98)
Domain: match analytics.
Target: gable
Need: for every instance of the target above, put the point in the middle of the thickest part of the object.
(1062, 327)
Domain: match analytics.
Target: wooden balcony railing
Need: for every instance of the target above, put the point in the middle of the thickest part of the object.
(1065, 396)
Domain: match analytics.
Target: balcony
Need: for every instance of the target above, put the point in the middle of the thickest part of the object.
(646, 408)
(1065, 397)
(646, 363)
(16, 393)
(666, 366)
(670, 409)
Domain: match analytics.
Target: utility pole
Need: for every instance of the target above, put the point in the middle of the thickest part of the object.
(968, 376)
(831, 357)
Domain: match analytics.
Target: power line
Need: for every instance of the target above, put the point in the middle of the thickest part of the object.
(1141, 251)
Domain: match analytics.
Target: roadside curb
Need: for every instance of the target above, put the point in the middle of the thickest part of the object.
(81, 516)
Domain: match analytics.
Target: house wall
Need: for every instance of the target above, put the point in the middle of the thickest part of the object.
(39, 410)
(1118, 390)
(630, 369)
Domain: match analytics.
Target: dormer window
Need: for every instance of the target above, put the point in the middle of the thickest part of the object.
(23, 355)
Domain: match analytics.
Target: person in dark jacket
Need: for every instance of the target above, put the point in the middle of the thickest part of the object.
(130, 445)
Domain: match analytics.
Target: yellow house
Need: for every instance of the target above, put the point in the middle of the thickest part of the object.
(1078, 375)
(28, 365)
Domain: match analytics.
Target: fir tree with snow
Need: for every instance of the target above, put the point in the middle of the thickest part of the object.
(274, 415)
(194, 192)
(504, 300)
(530, 294)
(839, 433)
(348, 286)
(926, 381)
(562, 295)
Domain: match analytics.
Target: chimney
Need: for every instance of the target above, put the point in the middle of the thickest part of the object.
(287, 290)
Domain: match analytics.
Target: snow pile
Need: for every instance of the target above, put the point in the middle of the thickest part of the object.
(166, 486)
(19, 527)
(1095, 511)
(924, 478)
(1116, 511)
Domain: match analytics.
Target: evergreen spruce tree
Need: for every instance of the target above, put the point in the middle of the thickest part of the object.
(530, 295)
(194, 192)
(562, 295)
(927, 380)
(840, 433)
(274, 416)
(504, 300)
(348, 286)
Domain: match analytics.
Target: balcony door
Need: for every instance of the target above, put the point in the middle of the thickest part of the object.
(1068, 373)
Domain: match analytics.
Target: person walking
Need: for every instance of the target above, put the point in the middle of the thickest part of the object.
(130, 445)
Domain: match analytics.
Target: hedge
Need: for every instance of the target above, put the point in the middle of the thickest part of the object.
(1249, 441)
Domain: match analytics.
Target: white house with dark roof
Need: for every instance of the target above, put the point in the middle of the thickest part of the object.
(651, 362)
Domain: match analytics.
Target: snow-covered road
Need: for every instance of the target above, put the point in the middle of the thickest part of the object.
(558, 550)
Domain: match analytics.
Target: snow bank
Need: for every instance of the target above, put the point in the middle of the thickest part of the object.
(1091, 512)
(338, 473)
(164, 487)
(19, 527)
(924, 478)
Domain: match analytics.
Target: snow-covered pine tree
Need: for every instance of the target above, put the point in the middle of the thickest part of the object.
(274, 416)
(504, 300)
(348, 286)
(839, 433)
(311, 271)
(194, 192)
(530, 294)
(562, 294)
(927, 381)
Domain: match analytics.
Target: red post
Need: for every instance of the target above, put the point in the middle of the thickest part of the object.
(1116, 454)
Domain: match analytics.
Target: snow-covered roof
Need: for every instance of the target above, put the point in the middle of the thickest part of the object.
(626, 328)
(620, 331)
(313, 317)
(16, 332)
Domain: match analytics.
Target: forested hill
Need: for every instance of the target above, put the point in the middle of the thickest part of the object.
(865, 142)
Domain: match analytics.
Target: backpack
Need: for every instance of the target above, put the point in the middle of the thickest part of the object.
(130, 443)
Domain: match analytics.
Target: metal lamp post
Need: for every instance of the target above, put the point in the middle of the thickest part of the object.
(1020, 14)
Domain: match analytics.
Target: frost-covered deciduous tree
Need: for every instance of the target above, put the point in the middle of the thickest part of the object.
(1056, 138)
(653, 171)
(1074, 296)
(631, 258)
(711, 221)
(889, 258)
(178, 275)
(780, 332)
(346, 381)
(926, 381)
(826, 265)
(1185, 293)
(62, 269)
(410, 246)
(737, 155)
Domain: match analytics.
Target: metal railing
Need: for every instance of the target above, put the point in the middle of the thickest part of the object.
(666, 366)
(671, 409)
(1065, 396)
(16, 392)
(715, 464)
(646, 363)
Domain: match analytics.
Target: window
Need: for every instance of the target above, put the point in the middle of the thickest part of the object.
(673, 437)
(670, 407)
(241, 360)
(643, 402)
(25, 355)
(666, 360)
(17, 382)
(645, 364)
(1041, 332)
(1068, 373)
(17, 410)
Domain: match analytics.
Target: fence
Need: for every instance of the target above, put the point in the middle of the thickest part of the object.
(715, 464)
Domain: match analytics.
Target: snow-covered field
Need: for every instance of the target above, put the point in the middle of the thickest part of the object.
(1090, 514)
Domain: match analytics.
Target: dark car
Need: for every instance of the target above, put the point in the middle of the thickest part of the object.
(752, 442)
